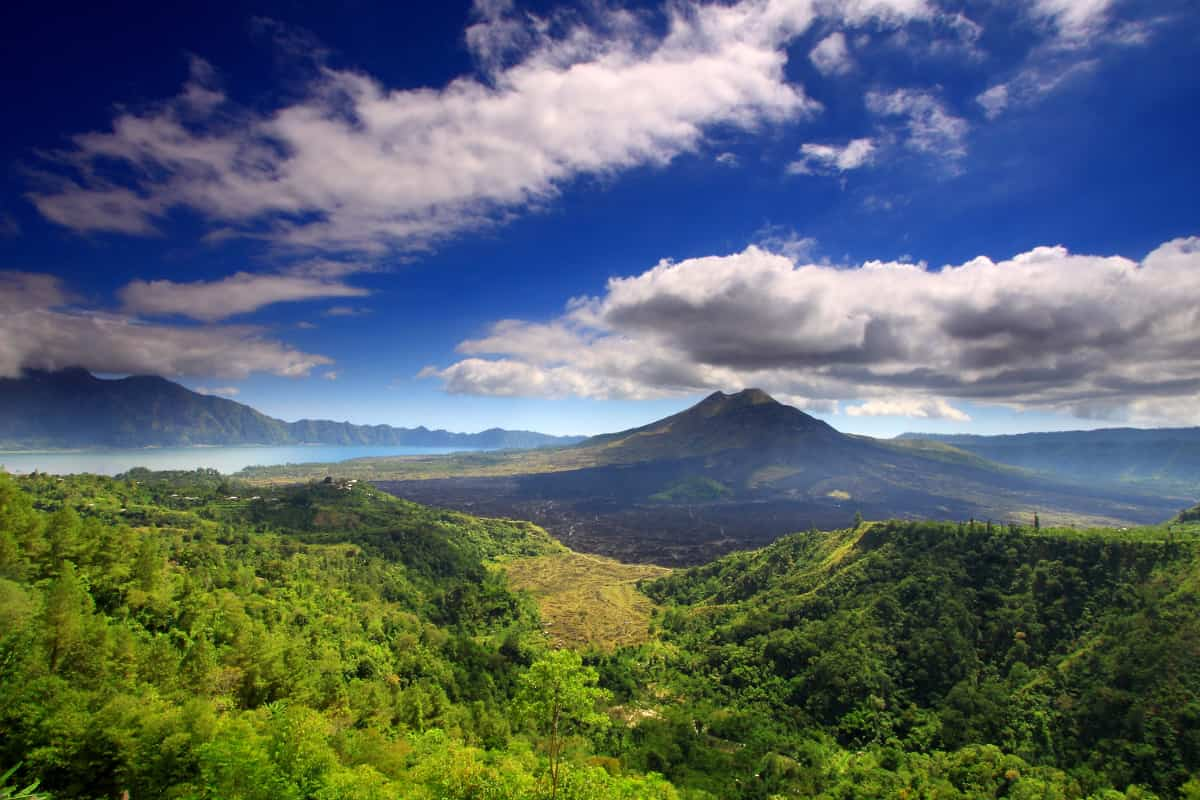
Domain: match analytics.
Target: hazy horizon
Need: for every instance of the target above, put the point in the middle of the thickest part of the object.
(846, 424)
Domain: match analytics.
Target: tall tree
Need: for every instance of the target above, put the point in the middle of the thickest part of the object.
(559, 696)
(67, 602)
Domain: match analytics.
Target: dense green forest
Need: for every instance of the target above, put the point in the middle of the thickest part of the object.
(169, 637)
(897, 659)
(180, 635)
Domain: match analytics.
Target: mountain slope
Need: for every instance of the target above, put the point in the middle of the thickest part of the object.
(750, 419)
(74, 409)
(755, 448)
(730, 472)
(1075, 649)
(1166, 457)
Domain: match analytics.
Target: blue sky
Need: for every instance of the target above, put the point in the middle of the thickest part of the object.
(897, 215)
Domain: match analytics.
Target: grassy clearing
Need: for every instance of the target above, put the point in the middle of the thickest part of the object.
(587, 600)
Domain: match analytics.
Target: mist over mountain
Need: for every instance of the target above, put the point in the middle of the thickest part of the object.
(72, 408)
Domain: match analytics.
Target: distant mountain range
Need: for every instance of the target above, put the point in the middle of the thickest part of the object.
(1167, 459)
(72, 408)
(732, 471)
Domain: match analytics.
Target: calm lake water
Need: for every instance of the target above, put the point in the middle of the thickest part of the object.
(223, 459)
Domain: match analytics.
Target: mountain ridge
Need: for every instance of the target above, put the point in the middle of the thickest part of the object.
(731, 471)
(72, 408)
(1164, 457)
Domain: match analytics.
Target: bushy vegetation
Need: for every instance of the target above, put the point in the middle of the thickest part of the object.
(180, 635)
(167, 636)
(913, 659)
(693, 489)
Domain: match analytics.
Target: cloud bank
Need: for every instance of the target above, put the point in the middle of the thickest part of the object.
(41, 329)
(1088, 335)
(919, 407)
(218, 391)
(356, 166)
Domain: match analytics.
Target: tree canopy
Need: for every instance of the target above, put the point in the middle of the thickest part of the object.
(183, 635)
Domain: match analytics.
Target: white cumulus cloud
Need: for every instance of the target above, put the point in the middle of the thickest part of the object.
(40, 328)
(1074, 20)
(219, 391)
(240, 293)
(919, 407)
(831, 56)
(931, 128)
(994, 100)
(1046, 328)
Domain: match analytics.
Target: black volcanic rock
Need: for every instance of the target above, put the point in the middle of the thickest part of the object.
(72, 408)
(737, 470)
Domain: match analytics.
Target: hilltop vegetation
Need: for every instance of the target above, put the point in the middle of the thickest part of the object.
(904, 657)
(167, 636)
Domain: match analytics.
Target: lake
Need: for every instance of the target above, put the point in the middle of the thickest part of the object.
(223, 459)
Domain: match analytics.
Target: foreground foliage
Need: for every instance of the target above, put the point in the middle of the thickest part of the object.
(166, 636)
(913, 659)
(177, 635)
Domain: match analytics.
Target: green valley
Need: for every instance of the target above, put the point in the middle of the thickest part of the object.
(187, 635)
(171, 635)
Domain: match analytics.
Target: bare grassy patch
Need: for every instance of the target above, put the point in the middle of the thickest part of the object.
(587, 600)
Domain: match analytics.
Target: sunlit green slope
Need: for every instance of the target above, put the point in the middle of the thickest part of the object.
(174, 636)
(1076, 652)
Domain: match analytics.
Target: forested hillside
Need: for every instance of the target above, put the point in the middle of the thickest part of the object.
(166, 636)
(180, 635)
(902, 659)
